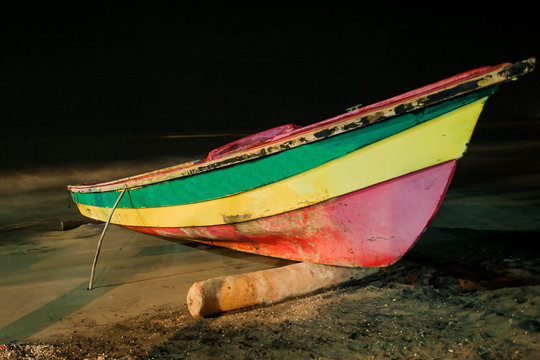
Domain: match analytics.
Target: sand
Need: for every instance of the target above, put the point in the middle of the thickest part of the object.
(469, 289)
(434, 303)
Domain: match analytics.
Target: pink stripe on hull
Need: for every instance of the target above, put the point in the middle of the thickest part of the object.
(369, 227)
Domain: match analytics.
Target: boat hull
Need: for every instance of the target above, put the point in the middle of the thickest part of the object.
(357, 189)
(374, 226)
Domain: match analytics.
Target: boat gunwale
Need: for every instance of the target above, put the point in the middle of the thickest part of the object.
(422, 97)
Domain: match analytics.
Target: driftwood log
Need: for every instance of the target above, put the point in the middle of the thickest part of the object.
(265, 287)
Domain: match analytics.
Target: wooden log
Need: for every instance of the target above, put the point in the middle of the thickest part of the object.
(69, 224)
(265, 287)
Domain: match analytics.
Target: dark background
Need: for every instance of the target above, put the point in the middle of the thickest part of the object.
(191, 69)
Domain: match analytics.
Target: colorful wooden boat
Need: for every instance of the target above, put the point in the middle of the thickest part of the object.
(354, 190)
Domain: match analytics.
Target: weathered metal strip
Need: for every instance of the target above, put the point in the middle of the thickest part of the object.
(444, 90)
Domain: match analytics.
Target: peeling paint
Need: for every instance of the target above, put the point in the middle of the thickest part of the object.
(447, 89)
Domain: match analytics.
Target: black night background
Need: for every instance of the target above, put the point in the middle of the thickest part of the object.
(136, 68)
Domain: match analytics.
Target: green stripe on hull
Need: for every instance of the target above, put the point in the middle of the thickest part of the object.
(252, 174)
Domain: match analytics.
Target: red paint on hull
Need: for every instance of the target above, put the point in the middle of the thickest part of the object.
(369, 227)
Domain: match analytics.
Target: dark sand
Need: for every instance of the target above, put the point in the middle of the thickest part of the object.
(469, 289)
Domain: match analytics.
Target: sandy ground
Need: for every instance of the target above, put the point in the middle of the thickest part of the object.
(460, 294)
(469, 289)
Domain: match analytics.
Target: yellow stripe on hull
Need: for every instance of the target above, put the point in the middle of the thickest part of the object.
(436, 141)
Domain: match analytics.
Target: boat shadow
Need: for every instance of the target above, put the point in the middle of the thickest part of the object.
(50, 313)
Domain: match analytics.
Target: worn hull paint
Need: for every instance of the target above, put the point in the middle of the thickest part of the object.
(442, 139)
(370, 227)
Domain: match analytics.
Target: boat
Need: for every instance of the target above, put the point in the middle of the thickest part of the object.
(355, 190)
